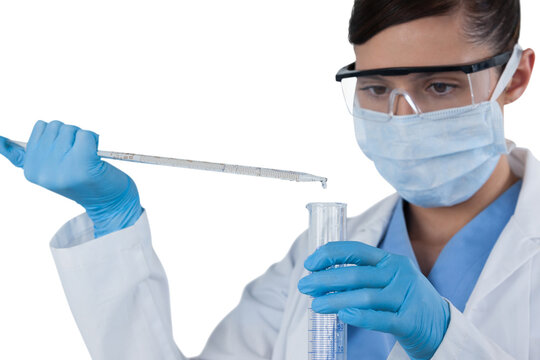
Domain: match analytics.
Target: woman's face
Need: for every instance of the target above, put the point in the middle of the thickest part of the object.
(428, 41)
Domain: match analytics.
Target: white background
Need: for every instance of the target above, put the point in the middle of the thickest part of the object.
(238, 81)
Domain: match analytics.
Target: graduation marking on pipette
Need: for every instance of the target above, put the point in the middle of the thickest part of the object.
(209, 166)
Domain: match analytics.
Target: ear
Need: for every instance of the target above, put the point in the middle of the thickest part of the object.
(521, 78)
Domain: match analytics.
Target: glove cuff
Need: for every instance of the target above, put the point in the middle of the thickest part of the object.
(120, 215)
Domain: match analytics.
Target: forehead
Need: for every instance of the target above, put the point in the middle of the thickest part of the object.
(430, 41)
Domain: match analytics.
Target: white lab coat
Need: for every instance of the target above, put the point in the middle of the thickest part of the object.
(118, 293)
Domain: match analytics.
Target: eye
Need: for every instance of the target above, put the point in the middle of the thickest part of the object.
(440, 88)
(375, 90)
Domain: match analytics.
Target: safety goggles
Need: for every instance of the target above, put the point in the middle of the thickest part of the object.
(424, 88)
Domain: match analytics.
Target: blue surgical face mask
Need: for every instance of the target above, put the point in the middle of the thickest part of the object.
(438, 158)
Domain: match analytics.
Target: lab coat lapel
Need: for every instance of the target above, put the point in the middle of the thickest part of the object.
(520, 239)
(370, 226)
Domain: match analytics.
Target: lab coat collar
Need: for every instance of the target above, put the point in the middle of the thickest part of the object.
(518, 242)
(527, 167)
(370, 226)
(520, 239)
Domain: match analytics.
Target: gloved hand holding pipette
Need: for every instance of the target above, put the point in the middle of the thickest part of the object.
(63, 158)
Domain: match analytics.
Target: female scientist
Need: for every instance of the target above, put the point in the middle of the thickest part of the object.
(447, 268)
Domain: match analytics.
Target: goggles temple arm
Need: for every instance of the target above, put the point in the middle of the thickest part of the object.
(473, 100)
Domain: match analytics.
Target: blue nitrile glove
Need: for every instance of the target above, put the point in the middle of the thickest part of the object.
(63, 159)
(383, 292)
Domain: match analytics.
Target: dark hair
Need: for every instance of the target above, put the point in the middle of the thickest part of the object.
(492, 22)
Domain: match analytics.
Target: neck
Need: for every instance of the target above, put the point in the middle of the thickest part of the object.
(431, 228)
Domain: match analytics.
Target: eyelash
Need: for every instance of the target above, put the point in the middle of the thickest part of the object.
(451, 86)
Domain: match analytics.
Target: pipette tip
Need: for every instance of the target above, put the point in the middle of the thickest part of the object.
(323, 182)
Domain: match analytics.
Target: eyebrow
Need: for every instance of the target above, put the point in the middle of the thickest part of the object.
(447, 73)
(375, 77)
(421, 75)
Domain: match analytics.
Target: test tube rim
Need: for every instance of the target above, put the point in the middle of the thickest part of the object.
(326, 204)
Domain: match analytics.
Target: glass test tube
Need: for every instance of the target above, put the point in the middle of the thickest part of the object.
(327, 335)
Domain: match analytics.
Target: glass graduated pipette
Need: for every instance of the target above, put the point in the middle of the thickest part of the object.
(203, 165)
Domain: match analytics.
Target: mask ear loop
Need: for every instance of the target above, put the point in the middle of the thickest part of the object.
(394, 94)
(508, 72)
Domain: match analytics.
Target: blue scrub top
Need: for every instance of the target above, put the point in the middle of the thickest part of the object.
(453, 275)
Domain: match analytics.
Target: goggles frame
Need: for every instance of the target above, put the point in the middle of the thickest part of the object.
(348, 71)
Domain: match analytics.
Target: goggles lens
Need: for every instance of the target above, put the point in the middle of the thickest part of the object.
(417, 92)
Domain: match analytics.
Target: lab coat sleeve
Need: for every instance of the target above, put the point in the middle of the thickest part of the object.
(117, 291)
(461, 341)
